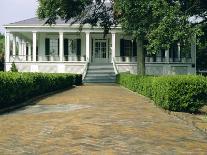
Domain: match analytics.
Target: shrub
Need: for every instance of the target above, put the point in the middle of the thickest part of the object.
(13, 67)
(18, 87)
(186, 93)
(77, 79)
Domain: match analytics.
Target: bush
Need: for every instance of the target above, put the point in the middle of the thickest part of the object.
(185, 93)
(18, 87)
(1, 61)
(13, 67)
(77, 79)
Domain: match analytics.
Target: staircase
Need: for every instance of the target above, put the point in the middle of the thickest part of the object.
(100, 73)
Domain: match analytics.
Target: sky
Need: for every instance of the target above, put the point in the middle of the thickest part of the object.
(16, 10)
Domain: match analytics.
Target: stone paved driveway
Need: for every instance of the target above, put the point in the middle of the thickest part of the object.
(94, 119)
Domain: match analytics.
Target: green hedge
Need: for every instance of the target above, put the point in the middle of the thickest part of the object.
(187, 93)
(18, 87)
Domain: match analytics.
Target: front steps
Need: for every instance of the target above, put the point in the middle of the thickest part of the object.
(100, 73)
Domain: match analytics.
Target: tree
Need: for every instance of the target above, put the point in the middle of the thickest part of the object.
(159, 28)
(1, 52)
(156, 24)
(83, 11)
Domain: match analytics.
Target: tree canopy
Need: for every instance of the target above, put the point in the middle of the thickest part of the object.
(160, 22)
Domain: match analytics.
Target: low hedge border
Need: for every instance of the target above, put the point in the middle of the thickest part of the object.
(186, 93)
(16, 88)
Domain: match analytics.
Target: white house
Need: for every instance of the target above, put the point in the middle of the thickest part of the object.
(63, 48)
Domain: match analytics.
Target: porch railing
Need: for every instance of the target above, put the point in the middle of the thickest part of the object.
(125, 59)
(20, 58)
(46, 58)
(157, 59)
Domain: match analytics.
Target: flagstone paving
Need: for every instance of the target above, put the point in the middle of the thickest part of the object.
(97, 119)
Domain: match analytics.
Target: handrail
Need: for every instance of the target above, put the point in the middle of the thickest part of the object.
(115, 67)
(85, 70)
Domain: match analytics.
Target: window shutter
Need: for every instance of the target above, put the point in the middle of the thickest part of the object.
(58, 46)
(47, 46)
(134, 48)
(121, 47)
(78, 47)
(65, 47)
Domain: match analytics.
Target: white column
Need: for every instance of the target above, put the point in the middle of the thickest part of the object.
(34, 45)
(167, 55)
(14, 45)
(88, 46)
(23, 48)
(20, 46)
(113, 48)
(29, 52)
(179, 50)
(7, 51)
(61, 46)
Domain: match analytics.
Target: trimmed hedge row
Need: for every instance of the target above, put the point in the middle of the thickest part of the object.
(18, 87)
(187, 93)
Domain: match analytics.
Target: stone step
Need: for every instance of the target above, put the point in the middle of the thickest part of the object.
(100, 64)
(99, 81)
(100, 67)
(101, 74)
(100, 71)
(100, 78)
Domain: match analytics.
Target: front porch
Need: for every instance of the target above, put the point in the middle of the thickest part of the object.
(54, 51)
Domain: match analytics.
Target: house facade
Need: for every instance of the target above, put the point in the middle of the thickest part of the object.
(63, 48)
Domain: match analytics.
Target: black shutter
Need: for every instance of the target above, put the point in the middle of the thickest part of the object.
(47, 46)
(66, 47)
(78, 47)
(58, 46)
(121, 47)
(134, 48)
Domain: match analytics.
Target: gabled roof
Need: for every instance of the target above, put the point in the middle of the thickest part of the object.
(37, 21)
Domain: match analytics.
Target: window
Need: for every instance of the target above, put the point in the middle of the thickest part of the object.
(53, 46)
(72, 46)
(128, 49)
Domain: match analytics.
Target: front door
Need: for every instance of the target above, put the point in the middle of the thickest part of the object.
(100, 53)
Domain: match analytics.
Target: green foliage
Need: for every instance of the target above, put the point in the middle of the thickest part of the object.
(159, 22)
(1, 61)
(1, 52)
(13, 67)
(18, 87)
(175, 93)
(1, 43)
(83, 11)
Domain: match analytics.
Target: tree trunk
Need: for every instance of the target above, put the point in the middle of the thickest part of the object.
(140, 58)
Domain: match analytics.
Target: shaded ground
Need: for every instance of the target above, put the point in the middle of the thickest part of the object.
(96, 119)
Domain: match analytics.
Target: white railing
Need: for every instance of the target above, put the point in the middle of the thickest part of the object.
(115, 67)
(46, 58)
(74, 58)
(20, 58)
(125, 59)
(85, 69)
(158, 59)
